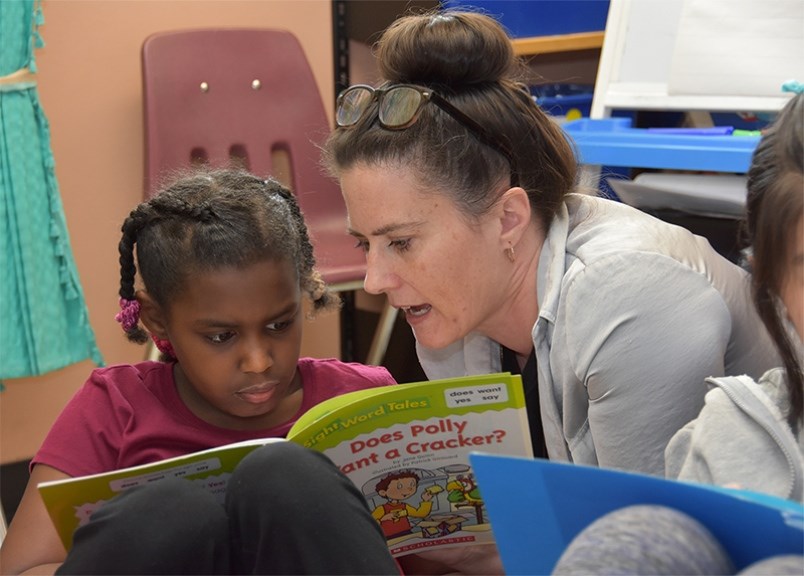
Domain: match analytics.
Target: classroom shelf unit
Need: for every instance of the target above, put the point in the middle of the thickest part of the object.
(558, 43)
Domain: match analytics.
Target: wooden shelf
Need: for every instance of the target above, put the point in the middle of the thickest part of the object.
(558, 43)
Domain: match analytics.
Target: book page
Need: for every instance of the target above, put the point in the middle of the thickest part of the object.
(737, 47)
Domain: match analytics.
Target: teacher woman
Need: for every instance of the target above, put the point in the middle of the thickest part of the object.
(463, 195)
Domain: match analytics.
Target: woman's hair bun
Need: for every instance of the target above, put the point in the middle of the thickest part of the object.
(451, 49)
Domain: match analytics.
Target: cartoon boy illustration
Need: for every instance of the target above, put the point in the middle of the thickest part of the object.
(393, 515)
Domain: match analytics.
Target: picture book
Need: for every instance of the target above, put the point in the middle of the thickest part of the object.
(406, 447)
(538, 507)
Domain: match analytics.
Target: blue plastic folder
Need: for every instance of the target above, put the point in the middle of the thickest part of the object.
(536, 507)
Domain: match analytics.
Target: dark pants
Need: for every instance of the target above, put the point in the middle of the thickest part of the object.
(288, 510)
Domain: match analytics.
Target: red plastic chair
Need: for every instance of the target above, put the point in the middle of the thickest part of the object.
(248, 95)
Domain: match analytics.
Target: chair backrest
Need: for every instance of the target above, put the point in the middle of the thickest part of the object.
(248, 95)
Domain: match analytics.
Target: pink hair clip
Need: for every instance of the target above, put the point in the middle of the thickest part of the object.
(129, 315)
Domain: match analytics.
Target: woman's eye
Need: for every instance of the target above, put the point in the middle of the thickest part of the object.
(220, 338)
(400, 245)
(362, 245)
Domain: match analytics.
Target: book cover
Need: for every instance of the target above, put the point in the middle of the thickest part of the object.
(406, 447)
(537, 507)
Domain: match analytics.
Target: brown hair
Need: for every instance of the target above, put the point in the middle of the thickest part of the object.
(774, 208)
(468, 59)
(385, 481)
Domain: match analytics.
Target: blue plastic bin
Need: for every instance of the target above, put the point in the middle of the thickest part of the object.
(526, 18)
(612, 142)
(570, 101)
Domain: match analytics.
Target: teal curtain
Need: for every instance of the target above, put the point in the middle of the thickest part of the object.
(44, 323)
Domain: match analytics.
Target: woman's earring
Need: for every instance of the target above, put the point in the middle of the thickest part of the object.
(510, 253)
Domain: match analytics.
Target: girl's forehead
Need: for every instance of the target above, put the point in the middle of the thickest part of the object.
(270, 272)
(238, 294)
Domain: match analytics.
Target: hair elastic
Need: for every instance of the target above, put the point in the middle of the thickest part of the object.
(164, 346)
(793, 86)
(129, 315)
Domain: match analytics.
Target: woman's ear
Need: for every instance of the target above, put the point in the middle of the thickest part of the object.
(515, 216)
(152, 315)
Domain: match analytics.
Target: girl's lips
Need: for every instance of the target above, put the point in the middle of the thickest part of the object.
(257, 394)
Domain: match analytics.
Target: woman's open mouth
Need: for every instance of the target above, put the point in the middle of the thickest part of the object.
(416, 311)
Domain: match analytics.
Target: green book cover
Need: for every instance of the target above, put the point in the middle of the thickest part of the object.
(406, 447)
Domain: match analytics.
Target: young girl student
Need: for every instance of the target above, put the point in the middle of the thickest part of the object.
(751, 433)
(225, 262)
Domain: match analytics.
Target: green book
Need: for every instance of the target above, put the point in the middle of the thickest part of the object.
(420, 434)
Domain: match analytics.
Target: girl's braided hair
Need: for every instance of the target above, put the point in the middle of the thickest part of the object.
(208, 219)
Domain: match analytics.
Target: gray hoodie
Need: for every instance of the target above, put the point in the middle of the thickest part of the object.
(742, 438)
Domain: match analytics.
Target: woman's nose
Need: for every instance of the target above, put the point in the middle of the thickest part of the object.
(380, 276)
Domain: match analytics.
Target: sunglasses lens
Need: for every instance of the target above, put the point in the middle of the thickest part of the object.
(399, 105)
(352, 104)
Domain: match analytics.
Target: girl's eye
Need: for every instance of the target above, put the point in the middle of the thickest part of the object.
(400, 245)
(220, 338)
(279, 326)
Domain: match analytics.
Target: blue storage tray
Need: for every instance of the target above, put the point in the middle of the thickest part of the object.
(526, 18)
(612, 142)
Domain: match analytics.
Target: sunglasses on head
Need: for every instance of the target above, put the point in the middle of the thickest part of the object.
(398, 108)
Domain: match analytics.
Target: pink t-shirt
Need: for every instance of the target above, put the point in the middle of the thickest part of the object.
(132, 414)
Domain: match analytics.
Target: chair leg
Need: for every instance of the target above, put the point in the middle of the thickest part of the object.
(382, 335)
(3, 524)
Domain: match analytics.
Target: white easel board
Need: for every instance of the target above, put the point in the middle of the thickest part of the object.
(708, 55)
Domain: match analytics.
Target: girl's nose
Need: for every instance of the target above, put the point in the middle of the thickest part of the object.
(256, 357)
